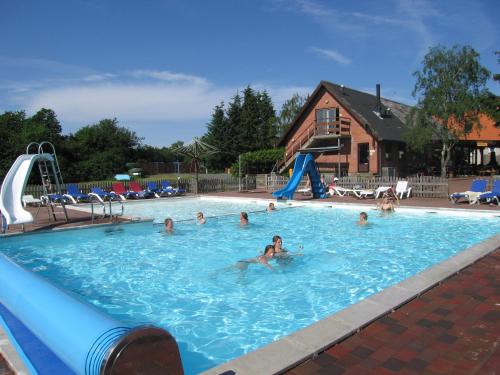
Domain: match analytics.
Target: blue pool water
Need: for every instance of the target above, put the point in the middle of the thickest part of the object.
(186, 283)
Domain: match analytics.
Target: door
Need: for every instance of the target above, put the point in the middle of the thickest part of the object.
(363, 157)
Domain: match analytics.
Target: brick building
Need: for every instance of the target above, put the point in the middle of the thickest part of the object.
(349, 131)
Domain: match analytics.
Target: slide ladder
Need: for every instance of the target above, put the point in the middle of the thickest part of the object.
(304, 164)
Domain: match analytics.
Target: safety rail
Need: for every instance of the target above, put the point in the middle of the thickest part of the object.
(339, 128)
(93, 199)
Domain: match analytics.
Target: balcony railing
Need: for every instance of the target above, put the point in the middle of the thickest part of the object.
(334, 129)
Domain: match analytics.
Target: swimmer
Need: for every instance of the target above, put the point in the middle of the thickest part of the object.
(201, 219)
(261, 259)
(280, 251)
(386, 205)
(271, 207)
(243, 219)
(169, 225)
(363, 218)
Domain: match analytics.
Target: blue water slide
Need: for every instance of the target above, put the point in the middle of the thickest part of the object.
(88, 341)
(304, 164)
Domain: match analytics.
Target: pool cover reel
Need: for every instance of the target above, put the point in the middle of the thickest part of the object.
(87, 340)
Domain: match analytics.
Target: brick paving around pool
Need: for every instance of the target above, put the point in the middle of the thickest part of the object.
(453, 328)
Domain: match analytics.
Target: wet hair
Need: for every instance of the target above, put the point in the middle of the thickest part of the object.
(364, 215)
(168, 220)
(199, 214)
(268, 249)
(244, 215)
(276, 238)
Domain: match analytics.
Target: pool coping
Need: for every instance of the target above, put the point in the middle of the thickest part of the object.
(299, 346)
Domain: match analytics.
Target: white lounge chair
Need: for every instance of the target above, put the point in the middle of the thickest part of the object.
(340, 191)
(402, 189)
(29, 199)
(381, 190)
(364, 193)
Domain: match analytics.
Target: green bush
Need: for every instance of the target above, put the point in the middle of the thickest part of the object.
(261, 161)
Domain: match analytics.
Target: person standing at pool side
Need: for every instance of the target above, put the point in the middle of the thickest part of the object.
(363, 218)
(243, 219)
(169, 225)
(201, 218)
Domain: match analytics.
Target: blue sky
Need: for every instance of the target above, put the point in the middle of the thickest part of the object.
(161, 66)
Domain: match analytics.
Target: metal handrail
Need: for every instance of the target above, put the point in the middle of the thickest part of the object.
(29, 146)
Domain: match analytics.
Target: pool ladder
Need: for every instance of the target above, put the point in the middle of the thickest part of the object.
(112, 218)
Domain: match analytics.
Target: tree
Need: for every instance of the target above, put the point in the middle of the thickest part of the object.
(450, 88)
(101, 150)
(289, 111)
(11, 125)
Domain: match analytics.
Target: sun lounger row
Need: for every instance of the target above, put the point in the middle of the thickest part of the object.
(478, 193)
(402, 190)
(118, 192)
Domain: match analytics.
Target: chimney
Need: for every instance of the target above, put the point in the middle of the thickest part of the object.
(379, 103)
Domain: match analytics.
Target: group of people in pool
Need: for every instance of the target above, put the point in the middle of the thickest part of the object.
(274, 251)
(200, 218)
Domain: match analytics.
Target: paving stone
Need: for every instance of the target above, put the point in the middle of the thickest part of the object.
(362, 352)
(393, 364)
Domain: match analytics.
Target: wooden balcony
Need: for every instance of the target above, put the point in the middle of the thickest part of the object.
(317, 133)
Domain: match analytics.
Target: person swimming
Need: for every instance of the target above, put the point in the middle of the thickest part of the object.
(271, 207)
(281, 254)
(243, 219)
(201, 218)
(261, 259)
(363, 218)
(386, 205)
(169, 225)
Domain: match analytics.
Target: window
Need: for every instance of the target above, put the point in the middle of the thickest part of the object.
(326, 115)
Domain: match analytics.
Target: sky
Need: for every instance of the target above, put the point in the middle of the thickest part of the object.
(161, 66)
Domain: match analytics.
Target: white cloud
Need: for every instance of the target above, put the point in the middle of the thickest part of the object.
(331, 54)
(168, 76)
(85, 104)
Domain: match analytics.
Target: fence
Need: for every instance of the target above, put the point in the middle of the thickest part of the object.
(210, 184)
(422, 187)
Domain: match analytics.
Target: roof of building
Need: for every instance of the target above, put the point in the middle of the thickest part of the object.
(363, 107)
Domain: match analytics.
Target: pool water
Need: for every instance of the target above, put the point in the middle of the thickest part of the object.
(187, 282)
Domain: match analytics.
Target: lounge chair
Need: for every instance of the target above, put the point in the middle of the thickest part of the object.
(402, 189)
(364, 193)
(74, 195)
(493, 195)
(167, 187)
(30, 200)
(476, 189)
(136, 188)
(119, 189)
(153, 187)
(101, 195)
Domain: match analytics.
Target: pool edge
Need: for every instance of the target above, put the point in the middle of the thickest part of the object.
(293, 349)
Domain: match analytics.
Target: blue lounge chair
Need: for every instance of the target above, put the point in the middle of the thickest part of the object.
(166, 187)
(101, 195)
(153, 187)
(493, 195)
(477, 186)
(75, 195)
(55, 198)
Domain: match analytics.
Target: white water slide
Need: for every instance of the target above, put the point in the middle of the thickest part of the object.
(13, 187)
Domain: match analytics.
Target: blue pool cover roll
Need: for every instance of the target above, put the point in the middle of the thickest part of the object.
(77, 333)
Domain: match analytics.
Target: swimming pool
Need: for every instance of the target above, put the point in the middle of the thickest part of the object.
(185, 282)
